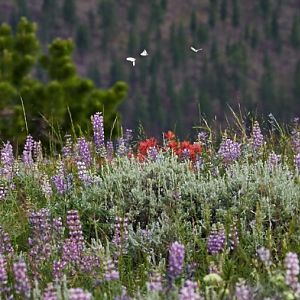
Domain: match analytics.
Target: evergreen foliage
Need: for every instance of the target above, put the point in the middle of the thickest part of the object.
(49, 101)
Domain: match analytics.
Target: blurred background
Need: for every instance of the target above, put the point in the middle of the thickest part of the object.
(250, 57)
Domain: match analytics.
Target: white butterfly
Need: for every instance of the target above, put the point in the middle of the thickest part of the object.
(196, 50)
(132, 59)
(144, 53)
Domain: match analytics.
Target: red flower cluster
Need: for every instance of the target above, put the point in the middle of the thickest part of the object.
(183, 150)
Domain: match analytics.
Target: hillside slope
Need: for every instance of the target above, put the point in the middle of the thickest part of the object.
(251, 53)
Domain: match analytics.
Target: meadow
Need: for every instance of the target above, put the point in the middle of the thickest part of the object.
(214, 218)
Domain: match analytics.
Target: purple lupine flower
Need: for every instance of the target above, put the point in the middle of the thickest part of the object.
(152, 153)
(84, 153)
(124, 295)
(46, 187)
(40, 237)
(79, 294)
(57, 269)
(57, 232)
(67, 150)
(110, 150)
(98, 128)
(120, 239)
(234, 237)
(291, 263)
(176, 259)
(121, 147)
(59, 179)
(202, 137)
(83, 173)
(128, 137)
(89, 263)
(110, 271)
(7, 161)
(5, 243)
(22, 284)
(50, 292)
(73, 246)
(257, 137)
(74, 226)
(264, 255)
(229, 151)
(297, 161)
(28, 149)
(216, 240)
(155, 282)
(296, 141)
(273, 160)
(189, 291)
(3, 275)
(3, 191)
(213, 268)
(243, 291)
(37, 151)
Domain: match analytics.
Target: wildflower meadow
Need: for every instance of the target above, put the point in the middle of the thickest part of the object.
(212, 218)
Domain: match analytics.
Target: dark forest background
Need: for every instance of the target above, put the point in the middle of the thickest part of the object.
(251, 54)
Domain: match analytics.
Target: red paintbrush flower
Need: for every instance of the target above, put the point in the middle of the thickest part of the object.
(145, 145)
(170, 135)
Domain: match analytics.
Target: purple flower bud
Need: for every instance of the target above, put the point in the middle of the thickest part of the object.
(176, 259)
(243, 292)
(84, 153)
(257, 137)
(229, 151)
(22, 284)
(297, 161)
(79, 294)
(155, 282)
(264, 255)
(28, 150)
(67, 150)
(50, 292)
(189, 291)
(3, 275)
(216, 240)
(7, 161)
(5, 243)
(273, 160)
(291, 263)
(98, 127)
(110, 271)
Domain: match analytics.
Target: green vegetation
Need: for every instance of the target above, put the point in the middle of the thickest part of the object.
(63, 94)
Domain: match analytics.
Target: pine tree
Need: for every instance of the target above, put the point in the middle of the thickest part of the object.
(202, 33)
(212, 19)
(254, 38)
(193, 23)
(295, 32)
(22, 8)
(296, 89)
(132, 42)
(94, 74)
(223, 10)
(235, 19)
(267, 91)
(107, 12)
(265, 7)
(173, 46)
(132, 12)
(50, 100)
(69, 12)
(82, 38)
(275, 27)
